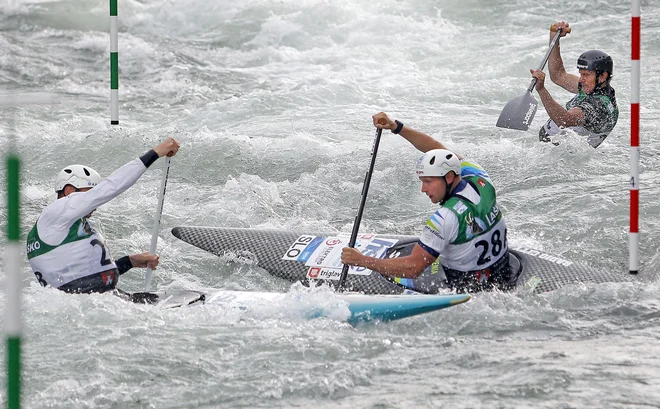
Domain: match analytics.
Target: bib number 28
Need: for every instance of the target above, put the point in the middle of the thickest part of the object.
(492, 247)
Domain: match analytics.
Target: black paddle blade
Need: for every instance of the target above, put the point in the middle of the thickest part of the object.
(518, 113)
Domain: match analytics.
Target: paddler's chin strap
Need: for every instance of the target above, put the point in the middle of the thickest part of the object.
(600, 84)
(580, 86)
(447, 190)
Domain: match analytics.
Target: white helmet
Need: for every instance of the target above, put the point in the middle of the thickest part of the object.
(438, 162)
(78, 176)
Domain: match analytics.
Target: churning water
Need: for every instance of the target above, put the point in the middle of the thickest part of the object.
(272, 102)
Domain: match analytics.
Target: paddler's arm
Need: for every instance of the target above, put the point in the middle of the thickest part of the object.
(419, 140)
(556, 112)
(79, 204)
(558, 73)
(410, 266)
(143, 260)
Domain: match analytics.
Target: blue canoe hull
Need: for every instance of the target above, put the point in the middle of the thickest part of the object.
(353, 308)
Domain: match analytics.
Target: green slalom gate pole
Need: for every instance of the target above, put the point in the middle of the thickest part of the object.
(13, 269)
(114, 65)
(14, 251)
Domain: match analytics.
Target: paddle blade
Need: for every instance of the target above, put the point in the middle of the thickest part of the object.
(518, 113)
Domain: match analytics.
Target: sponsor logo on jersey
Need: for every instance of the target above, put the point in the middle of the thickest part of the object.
(481, 182)
(460, 207)
(434, 232)
(33, 246)
(473, 224)
(493, 216)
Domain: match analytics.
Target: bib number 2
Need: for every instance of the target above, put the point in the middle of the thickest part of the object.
(490, 248)
(105, 260)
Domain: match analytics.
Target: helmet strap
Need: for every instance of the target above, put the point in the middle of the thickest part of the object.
(598, 82)
(447, 191)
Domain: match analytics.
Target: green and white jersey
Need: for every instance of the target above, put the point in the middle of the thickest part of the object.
(600, 116)
(83, 252)
(468, 232)
(63, 246)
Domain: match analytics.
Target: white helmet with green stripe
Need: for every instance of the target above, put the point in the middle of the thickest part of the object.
(78, 176)
(438, 162)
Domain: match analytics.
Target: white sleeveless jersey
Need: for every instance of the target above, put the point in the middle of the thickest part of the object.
(482, 248)
(551, 129)
(468, 232)
(63, 246)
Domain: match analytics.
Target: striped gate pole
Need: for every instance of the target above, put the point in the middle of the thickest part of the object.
(15, 251)
(114, 65)
(14, 256)
(634, 138)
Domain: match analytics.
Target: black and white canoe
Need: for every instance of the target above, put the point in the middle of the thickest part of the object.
(314, 256)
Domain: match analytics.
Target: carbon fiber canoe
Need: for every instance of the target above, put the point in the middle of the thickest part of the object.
(286, 254)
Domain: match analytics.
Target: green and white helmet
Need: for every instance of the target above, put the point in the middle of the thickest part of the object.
(438, 162)
(78, 176)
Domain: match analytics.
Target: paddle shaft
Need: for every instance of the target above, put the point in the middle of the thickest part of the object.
(156, 228)
(363, 199)
(545, 59)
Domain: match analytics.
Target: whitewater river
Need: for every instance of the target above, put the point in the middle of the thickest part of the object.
(272, 102)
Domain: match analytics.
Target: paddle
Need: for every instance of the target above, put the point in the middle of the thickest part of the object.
(156, 228)
(363, 199)
(519, 112)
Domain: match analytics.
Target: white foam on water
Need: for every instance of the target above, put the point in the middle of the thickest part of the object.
(272, 102)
